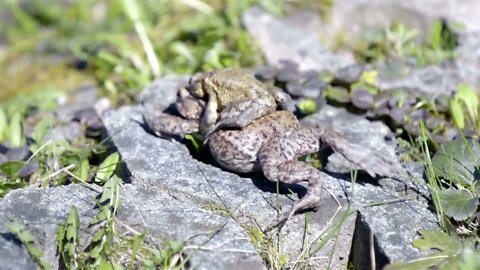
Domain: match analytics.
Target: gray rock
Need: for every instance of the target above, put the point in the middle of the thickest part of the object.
(214, 241)
(87, 94)
(349, 74)
(431, 81)
(3, 158)
(28, 169)
(468, 58)
(393, 225)
(310, 89)
(41, 210)
(357, 17)
(362, 99)
(13, 256)
(294, 38)
(166, 166)
(351, 19)
(18, 153)
(80, 99)
(162, 93)
(68, 131)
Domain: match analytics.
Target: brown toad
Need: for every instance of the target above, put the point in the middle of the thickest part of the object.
(234, 98)
(272, 144)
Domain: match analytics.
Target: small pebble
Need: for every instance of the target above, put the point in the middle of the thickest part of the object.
(362, 99)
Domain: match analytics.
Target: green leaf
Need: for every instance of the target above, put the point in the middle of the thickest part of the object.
(307, 106)
(458, 161)
(175, 246)
(107, 167)
(135, 246)
(109, 201)
(369, 77)
(83, 170)
(338, 94)
(468, 96)
(436, 239)
(457, 113)
(3, 124)
(16, 134)
(436, 35)
(197, 144)
(459, 204)
(72, 225)
(60, 238)
(421, 264)
(11, 168)
(6, 187)
(105, 265)
(29, 242)
(41, 128)
(469, 260)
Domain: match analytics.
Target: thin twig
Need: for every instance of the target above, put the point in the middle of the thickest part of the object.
(199, 5)
(69, 167)
(88, 185)
(38, 150)
(193, 247)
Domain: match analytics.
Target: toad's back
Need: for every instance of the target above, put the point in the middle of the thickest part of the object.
(234, 85)
(237, 150)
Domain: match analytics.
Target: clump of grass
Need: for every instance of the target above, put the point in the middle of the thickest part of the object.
(98, 37)
(455, 192)
(399, 41)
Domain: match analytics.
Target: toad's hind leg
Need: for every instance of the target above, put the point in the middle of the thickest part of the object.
(373, 162)
(278, 162)
(308, 141)
(294, 172)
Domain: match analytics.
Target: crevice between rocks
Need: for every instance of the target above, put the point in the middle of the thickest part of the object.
(360, 254)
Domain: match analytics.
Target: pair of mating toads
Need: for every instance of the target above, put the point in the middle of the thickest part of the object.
(246, 133)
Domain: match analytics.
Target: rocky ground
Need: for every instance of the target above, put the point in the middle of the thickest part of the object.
(173, 195)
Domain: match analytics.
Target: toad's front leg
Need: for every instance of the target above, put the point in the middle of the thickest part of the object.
(166, 124)
(210, 114)
(238, 114)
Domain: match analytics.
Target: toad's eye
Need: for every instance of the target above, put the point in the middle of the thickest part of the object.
(196, 89)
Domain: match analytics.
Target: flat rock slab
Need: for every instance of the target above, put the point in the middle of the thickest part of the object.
(166, 166)
(12, 254)
(394, 222)
(41, 211)
(215, 242)
(355, 17)
(294, 38)
(304, 38)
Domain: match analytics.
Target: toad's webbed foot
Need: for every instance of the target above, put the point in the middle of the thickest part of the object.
(294, 172)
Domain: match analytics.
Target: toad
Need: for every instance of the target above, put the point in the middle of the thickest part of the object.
(272, 144)
(234, 98)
